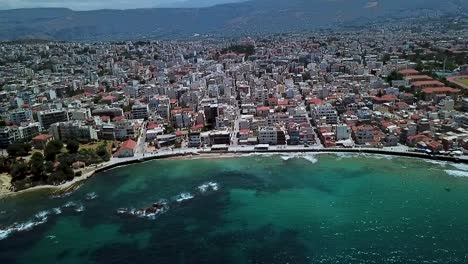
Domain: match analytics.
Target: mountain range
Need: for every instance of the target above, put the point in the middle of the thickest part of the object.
(252, 16)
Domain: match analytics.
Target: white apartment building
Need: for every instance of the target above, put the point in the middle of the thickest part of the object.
(343, 132)
(326, 111)
(267, 135)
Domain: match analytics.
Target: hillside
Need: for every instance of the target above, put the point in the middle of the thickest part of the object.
(244, 17)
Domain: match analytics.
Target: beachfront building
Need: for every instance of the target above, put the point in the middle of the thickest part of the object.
(364, 134)
(343, 132)
(194, 139)
(127, 149)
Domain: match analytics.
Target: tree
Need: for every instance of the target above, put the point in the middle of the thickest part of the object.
(97, 99)
(18, 171)
(102, 152)
(53, 148)
(394, 76)
(36, 164)
(49, 166)
(73, 146)
(169, 129)
(18, 149)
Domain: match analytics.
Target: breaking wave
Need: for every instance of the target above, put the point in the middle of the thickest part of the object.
(39, 219)
(457, 173)
(307, 156)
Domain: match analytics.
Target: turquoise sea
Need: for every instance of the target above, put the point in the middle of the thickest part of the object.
(298, 208)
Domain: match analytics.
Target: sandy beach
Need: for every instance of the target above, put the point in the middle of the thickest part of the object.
(5, 184)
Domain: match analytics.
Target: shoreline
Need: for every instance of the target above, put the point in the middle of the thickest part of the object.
(182, 154)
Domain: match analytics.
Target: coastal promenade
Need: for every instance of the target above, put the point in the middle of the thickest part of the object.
(401, 151)
(394, 151)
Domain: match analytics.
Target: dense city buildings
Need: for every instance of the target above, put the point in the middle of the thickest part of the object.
(372, 88)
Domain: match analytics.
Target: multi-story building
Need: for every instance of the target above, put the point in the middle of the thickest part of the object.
(20, 115)
(47, 118)
(267, 135)
(194, 139)
(343, 132)
(108, 111)
(125, 129)
(325, 111)
(140, 111)
(220, 137)
(73, 130)
(79, 114)
(364, 134)
(27, 132)
(6, 137)
(182, 120)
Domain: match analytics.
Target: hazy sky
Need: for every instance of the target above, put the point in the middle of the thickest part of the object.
(113, 4)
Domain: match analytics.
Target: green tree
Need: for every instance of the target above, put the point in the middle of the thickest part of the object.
(18, 171)
(53, 148)
(18, 149)
(73, 146)
(36, 164)
(97, 99)
(102, 152)
(394, 76)
(67, 171)
(49, 166)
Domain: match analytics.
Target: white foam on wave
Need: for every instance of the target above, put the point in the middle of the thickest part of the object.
(463, 167)
(38, 219)
(307, 156)
(437, 162)
(79, 208)
(263, 154)
(343, 155)
(457, 173)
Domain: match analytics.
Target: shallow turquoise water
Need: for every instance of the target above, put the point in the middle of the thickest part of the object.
(268, 209)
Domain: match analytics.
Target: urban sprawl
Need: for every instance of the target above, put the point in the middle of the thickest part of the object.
(372, 88)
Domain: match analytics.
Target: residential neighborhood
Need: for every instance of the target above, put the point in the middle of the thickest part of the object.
(341, 91)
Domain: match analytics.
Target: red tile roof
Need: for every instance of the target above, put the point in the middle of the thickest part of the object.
(42, 137)
(440, 89)
(131, 144)
(421, 83)
(409, 71)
